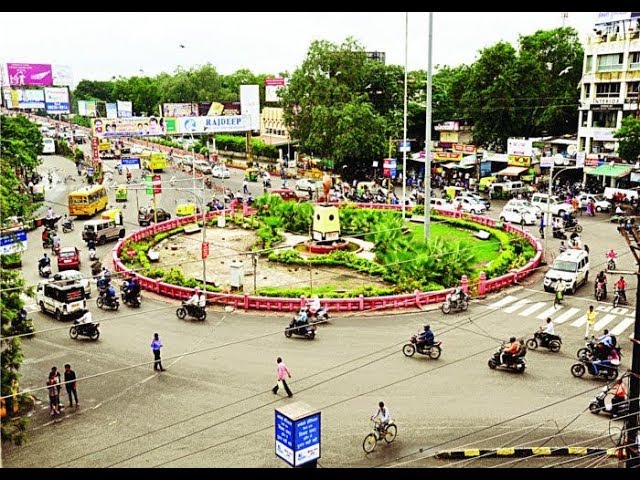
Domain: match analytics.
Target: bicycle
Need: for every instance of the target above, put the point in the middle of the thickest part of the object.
(372, 439)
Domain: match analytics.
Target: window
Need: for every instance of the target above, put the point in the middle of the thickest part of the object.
(633, 88)
(607, 90)
(588, 64)
(604, 119)
(583, 123)
(610, 62)
(634, 60)
(587, 91)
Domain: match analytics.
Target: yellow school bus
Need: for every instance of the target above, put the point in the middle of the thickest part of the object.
(88, 200)
(153, 161)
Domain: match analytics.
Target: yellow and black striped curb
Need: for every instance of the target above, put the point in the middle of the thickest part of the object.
(524, 452)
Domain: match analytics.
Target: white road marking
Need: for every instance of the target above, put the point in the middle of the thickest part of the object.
(580, 321)
(622, 326)
(600, 324)
(548, 312)
(516, 306)
(566, 315)
(502, 302)
(532, 309)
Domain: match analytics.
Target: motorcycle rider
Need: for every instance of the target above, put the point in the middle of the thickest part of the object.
(45, 261)
(621, 287)
(197, 300)
(549, 331)
(619, 397)
(133, 289)
(457, 296)
(426, 337)
(611, 256)
(46, 238)
(509, 351)
(563, 247)
(302, 318)
(314, 306)
(110, 294)
(67, 224)
(56, 241)
(601, 280)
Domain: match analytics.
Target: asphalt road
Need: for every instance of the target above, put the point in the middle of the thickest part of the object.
(213, 406)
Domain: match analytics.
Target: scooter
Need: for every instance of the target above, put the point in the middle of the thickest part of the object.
(541, 339)
(45, 271)
(85, 330)
(518, 364)
(619, 298)
(67, 227)
(55, 249)
(601, 293)
(194, 311)
(432, 351)
(598, 405)
(305, 330)
(608, 372)
(459, 303)
(92, 254)
(321, 316)
(103, 300)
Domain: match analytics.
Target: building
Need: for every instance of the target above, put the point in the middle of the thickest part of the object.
(610, 81)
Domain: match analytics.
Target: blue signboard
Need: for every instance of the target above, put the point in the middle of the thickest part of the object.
(13, 241)
(404, 146)
(297, 441)
(132, 163)
(89, 170)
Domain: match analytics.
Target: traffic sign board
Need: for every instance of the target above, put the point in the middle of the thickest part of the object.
(204, 252)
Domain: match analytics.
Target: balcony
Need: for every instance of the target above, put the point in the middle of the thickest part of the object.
(610, 68)
(634, 66)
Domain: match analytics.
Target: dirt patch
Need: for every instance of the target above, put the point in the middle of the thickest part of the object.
(228, 244)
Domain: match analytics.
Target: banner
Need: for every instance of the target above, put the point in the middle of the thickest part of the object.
(272, 88)
(8, 98)
(459, 147)
(519, 161)
(447, 156)
(38, 74)
(223, 123)
(215, 109)
(125, 109)
(132, 127)
(87, 108)
(250, 104)
(28, 98)
(62, 75)
(520, 147)
(112, 110)
(56, 100)
(179, 109)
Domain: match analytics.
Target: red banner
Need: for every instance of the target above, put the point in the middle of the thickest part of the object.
(459, 147)
(204, 252)
(94, 149)
(157, 184)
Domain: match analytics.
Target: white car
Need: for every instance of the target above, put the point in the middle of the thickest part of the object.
(524, 205)
(556, 206)
(74, 276)
(220, 172)
(203, 167)
(136, 149)
(441, 204)
(516, 215)
(306, 184)
(602, 204)
(469, 205)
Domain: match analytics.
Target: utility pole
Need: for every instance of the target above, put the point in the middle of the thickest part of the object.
(631, 427)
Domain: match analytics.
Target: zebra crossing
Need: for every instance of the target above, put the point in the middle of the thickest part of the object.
(617, 319)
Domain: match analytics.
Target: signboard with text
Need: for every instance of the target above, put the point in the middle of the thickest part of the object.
(459, 147)
(520, 147)
(451, 125)
(297, 441)
(179, 109)
(447, 156)
(132, 127)
(519, 161)
(56, 100)
(272, 87)
(28, 98)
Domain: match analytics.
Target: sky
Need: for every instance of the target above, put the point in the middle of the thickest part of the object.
(99, 46)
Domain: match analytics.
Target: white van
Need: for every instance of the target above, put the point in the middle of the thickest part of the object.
(48, 146)
(572, 266)
(63, 301)
(69, 277)
(102, 231)
(556, 206)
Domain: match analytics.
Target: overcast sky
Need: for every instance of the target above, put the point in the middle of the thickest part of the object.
(98, 46)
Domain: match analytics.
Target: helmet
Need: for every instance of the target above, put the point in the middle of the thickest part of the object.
(427, 327)
(512, 339)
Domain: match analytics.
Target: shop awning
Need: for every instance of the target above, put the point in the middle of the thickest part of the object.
(608, 170)
(511, 171)
(450, 165)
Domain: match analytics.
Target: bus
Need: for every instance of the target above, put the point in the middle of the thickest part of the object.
(88, 200)
(153, 161)
(48, 145)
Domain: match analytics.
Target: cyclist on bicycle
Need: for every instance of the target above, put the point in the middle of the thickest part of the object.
(383, 413)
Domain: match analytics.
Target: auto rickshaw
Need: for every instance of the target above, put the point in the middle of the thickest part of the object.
(38, 192)
(114, 214)
(251, 174)
(452, 192)
(485, 183)
(186, 209)
(121, 193)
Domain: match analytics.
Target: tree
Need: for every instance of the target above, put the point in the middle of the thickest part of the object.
(629, 137)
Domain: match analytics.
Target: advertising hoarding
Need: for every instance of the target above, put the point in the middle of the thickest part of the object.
(56, 100)
(297, 440)
(520, 146)
(36, 74)
(132, 127)
(250, 104)
(87, 108)
(222, 123)
(62, 75)
(272, 87)
(28, 98)
(611, 17)
(112, 110)
(179, 109)
(215, 109)
(8, 98)
(125, 109)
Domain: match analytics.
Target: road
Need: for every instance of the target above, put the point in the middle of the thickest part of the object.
(213, 406)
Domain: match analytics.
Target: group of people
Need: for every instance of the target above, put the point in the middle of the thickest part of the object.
(54, 387)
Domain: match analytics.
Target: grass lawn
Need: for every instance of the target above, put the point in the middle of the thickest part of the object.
(484, 250)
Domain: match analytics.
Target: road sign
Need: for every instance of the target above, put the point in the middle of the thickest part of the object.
(204, 251)
(157, 184)
(404, 146)
(297, 434)
(149, 183)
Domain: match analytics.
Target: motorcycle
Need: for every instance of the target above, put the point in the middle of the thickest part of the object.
(126, 296)
(433, 351)
(541, 339)
(321, 316)
(68, 226)
(92, 254)
(572, 224)
(608, 372)
(47, 242)
(619, 298)
(305, 330)
(194, 311)
(559, 233)
(55, 249)
(611, 264)
(518, 364)
(601, 293)
(598, 405)
(591, 351)
(45, 271)
(103, 300)
(85, 330)
(460, 302)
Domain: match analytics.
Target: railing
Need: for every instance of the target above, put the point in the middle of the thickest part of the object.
(360, 303)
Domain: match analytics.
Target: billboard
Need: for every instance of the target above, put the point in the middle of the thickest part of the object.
(520, 147)
(611, 17)
(272, 87)
(132, 127)
(56, 100)
(125, 109)
(8, 98)
(112, 110)
(222, 123)
(87, 108)
(179, 109)
(36, 74)
(215, 109)
(250, 104)
(62, 75)
(13, 240)
(28, 98)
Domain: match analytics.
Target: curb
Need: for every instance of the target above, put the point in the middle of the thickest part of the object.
(525, 452)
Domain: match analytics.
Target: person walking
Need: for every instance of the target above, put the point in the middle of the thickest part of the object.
(156, 345)
(245, 187)
(281, 372)
(591, 320)
(70, 385)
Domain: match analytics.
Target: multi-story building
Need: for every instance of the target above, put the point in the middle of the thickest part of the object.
(610, 81)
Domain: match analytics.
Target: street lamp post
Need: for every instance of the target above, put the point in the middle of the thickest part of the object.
(548, 211)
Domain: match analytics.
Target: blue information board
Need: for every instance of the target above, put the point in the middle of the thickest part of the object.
(297, 441)
(13, 240)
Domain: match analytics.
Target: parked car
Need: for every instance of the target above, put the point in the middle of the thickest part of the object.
(525, 205)
(556, 206)
(602, 204)
(476, 197)
(306, 184)
(469, 205)
(220, 172)
(68, 277)
(203, 166)
(517, 215)
(441, 204)
(69, 259)
(146, 215)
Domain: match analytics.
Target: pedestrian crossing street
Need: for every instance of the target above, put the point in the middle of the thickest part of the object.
(617, 320)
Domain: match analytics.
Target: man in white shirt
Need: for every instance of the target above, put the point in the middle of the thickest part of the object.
(197, 300)
(549, 331)
(383, 413)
